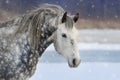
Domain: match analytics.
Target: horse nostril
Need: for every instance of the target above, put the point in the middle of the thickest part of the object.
(74, 61)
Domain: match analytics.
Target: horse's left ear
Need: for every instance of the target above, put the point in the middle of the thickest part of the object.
(64, 18)
(76, 17)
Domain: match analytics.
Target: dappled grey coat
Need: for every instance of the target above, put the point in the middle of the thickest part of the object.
(23, 40)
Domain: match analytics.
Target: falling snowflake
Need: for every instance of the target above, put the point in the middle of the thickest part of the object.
(98, 17)
(90, 70)
(88, 15)
(81, 0)
(112, 4)
(116, 16)
(57, 2)
(66, 6)
(7, 1)
(78, 4)
(93, 6)
(114, 75)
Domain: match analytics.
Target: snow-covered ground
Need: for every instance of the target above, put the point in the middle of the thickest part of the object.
(86, 71)
(100, 54)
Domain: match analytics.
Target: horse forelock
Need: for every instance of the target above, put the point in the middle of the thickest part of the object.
(69, 22)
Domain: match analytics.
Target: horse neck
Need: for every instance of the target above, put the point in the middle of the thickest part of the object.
(39, 27)
(41, 42)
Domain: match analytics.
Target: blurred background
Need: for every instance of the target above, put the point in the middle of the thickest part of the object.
(101, 14)
(99, 39)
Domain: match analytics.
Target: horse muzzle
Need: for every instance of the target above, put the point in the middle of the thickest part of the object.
(74, 62)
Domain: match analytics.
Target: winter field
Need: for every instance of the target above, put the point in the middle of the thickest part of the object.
(100, 54)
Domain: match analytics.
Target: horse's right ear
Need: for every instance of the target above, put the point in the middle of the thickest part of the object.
(64, 18)
(76, 17)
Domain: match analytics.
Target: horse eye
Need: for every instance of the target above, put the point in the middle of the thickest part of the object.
(64, 35)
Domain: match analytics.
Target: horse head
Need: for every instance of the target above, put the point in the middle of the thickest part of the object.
(65, 39)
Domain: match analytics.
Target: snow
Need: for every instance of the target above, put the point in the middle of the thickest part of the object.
(81, 0)
(66, 6)
(93, 6)
(77, 4)
(112, 4)
(7, 1)
(116, 16)
(86, 71)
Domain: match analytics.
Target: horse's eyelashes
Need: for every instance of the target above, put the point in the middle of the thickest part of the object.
(64, 35)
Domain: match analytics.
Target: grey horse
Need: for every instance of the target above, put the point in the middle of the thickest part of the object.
(24, 39)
